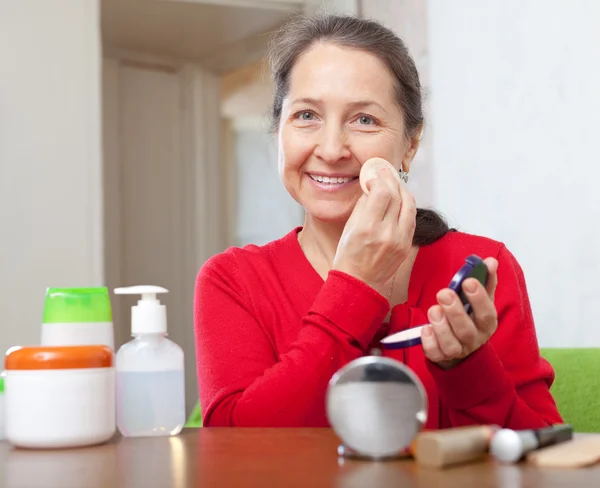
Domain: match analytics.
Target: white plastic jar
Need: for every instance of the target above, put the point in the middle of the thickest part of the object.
(77, 316)
(59, 396)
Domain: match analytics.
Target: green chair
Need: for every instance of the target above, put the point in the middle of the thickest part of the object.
(195, 418)
(576, 388)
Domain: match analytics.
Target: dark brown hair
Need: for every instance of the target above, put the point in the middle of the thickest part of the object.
(301, 32)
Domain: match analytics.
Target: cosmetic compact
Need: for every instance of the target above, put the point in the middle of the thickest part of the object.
(474, 267)
(376, 406)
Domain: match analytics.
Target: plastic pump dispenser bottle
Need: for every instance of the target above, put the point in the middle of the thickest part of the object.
(150, 371)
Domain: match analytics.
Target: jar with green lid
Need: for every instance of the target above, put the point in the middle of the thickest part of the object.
(77, 316)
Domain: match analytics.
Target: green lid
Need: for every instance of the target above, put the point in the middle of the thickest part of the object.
(68, 305)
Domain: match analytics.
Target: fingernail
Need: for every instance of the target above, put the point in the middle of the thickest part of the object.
(435, 315)
(446, 298)
(470, 286)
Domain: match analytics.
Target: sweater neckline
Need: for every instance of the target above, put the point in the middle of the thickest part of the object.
(301, 267)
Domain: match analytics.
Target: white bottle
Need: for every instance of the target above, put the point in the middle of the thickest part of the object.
(150, 371)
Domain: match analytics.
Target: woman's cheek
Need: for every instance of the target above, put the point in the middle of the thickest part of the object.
(297, 150)
(368, 145)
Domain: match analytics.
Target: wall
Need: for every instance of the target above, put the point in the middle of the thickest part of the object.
(264, 209)
(351, 7)
(247, 92)
(50, 158)
(246, 97)
(516, 107)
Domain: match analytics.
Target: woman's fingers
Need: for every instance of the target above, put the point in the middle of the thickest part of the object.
(492, 282)
(449, 344)
(384, 191)
(461, 324)
(484, 311)
(378, 200)
(430, 345)
(393, 210)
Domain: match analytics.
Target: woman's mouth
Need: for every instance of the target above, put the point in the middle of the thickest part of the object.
(332, 182)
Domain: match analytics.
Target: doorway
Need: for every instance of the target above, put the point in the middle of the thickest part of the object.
(178, 168)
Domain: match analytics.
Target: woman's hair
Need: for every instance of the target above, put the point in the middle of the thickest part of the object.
(301, 32)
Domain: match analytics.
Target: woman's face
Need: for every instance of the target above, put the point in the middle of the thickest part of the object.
(340, 111)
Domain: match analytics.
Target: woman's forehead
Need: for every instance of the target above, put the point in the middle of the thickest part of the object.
(327, 70)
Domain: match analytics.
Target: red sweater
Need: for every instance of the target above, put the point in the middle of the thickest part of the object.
(270, 333)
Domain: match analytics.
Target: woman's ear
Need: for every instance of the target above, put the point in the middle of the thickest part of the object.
(412, 149)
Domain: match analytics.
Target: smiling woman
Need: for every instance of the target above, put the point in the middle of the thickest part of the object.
(274, 323)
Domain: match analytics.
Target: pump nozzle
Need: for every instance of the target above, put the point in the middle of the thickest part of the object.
(149, 315)
(148, 292)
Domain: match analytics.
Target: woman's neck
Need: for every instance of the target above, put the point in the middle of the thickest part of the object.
(319, 241)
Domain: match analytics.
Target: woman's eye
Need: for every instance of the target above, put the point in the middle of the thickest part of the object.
(365, 120)
(306, 116)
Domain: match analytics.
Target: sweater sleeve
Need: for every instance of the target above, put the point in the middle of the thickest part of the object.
(242, 380)
(505, 382)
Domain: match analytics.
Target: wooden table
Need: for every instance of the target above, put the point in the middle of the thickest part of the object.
(267, 458)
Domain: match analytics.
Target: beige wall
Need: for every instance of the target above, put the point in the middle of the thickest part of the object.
(50, 158)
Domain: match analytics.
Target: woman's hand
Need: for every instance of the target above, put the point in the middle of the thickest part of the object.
(453, 334)
(378, 235)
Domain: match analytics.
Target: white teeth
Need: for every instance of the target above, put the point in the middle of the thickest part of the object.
(331, 180)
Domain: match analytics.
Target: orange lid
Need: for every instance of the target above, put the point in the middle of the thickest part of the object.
(58, 357)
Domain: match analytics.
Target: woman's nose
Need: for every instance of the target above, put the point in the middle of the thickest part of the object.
(332, 145)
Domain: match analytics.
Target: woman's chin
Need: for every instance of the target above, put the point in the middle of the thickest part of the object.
(329, 213)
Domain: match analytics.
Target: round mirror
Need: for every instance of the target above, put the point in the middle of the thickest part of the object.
(376, 406)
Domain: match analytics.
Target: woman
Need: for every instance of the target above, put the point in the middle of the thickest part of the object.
(274, 323)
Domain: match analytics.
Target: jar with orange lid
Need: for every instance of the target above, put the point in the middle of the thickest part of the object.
(59, 396)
